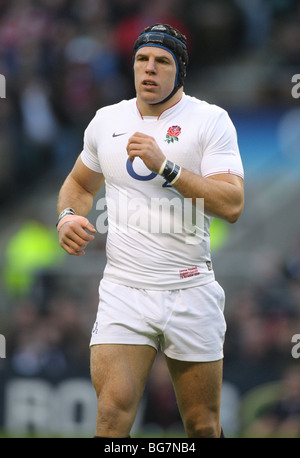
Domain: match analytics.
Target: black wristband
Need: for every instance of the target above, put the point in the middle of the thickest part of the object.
(171, 172)
(65, 212)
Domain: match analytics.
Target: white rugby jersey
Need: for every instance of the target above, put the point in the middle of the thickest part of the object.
(156, 239)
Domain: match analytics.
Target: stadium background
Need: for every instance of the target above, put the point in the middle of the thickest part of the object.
(63, 59)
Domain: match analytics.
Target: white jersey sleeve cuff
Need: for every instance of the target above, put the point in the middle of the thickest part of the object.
(90, 162)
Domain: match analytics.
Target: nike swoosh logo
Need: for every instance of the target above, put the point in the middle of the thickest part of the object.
(118, 135)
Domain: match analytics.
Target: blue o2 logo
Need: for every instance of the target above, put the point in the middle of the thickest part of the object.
(136, 176)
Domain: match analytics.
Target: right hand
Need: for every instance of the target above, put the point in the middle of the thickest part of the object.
(72, 234)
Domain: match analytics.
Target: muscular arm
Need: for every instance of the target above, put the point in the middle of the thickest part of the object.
(223, 194)
(79, 189)
(78, 192)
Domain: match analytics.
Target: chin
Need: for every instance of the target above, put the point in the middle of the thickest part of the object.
(151, 99)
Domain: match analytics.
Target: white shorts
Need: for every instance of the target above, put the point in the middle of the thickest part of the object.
(186, 324)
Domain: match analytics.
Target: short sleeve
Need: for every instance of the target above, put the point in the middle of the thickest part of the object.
(220, 149)
(89, 154)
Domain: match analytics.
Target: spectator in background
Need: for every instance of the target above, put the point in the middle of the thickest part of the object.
(128, 27)
(217, 29)
(282, 418)
(41, 41)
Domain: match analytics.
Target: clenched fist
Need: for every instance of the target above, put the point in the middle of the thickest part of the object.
(73, 234)
(147, 149)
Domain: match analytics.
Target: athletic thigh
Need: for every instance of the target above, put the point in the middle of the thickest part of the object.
(198, 388)
(119, 372)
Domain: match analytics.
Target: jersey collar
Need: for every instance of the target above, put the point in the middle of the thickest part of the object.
(166, 112)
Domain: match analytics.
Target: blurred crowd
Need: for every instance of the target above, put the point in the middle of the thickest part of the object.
(262, 320)
(48, 332)
(64, 59)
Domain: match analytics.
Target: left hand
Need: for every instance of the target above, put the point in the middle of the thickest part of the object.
(147, 149)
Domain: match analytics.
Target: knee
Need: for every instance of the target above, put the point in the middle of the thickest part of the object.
(112, 405)
(208, 428)
(112, 413)
(116, 408)
(114, 419)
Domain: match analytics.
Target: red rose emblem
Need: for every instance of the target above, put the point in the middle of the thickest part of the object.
(174, 131)
(173, 134)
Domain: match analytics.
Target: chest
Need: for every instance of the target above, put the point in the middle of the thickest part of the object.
(176, 138)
